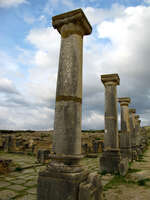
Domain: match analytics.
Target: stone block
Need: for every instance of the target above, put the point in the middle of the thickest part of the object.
(43, 156)
(59, 186)
(91, 189)
(124, 166)
(110, 161)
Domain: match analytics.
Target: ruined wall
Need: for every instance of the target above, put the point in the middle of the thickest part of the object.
(32, 141)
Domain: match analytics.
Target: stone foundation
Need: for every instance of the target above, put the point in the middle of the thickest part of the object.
(110, 161)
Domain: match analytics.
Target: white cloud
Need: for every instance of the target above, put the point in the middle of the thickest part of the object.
(129, 36)
(44, 38)
(10, 3)
(6, 86)
(94, 120)
(29, 19)
(97, 15)
(120, 44)
(147, 1)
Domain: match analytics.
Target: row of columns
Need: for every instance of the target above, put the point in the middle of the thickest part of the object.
(65, 178)
(127, 146)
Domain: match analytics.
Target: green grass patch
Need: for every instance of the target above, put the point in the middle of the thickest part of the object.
(104, 172)
(141, 158)
(117, 180)
(18, 169)
(133, 170)
(142, 182)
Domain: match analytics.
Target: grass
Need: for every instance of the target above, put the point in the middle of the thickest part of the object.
(141, 158)
(104, 172)
(142, 182)
(133, 170)
(117, 180)
(18, 169)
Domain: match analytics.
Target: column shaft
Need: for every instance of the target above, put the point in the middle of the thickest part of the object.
(111, 117)
(67, 125)
(125, 136)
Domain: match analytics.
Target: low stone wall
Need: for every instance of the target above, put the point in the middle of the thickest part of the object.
(30, 142)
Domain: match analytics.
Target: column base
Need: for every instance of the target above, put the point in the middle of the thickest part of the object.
(134, 153)
(111, 162)
(139, 151)
(126, 152)
(59, 183)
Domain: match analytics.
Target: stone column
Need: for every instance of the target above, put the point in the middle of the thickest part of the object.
(132, 112)
(125, 137)
(140, 137)
(61, 180)
(137, 133)
(111, 156)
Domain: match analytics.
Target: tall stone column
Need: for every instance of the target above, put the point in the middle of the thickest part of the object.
(125, 135)
(64, 174)
(140, 137)
(137, 132)
(132, 112)
(111, 156)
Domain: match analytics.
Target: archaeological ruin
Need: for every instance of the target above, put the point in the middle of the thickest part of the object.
(69, 163)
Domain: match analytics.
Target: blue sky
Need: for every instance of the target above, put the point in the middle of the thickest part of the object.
(29, 51)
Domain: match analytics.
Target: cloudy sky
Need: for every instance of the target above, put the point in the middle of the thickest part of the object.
(29, 54)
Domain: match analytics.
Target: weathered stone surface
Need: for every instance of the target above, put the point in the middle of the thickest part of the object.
(16, 187)
(124, 166)
(27, 197)
(31, 183)
(110, 161)
(132, 112)
(72, 26)
(91, 189)
(125, 135)
(7, 194)
(32, 190)
(110, 82)
(4, 184)
(43, 155)
(111, 156)
(50, 185)
(64, 169)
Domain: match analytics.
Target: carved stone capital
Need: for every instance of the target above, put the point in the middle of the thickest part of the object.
(74, 22)
(132, 110)
(124, 101)
(110, 79)
(137, 117)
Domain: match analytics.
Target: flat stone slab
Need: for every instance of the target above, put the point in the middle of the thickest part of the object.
(4, 184)
(140, 175)
(18, 181)
(32, 190)
(27, 197)
(27, 171)
(128, 192)
(30, 183)
(16, 187)
(7, 194)
(106, 179)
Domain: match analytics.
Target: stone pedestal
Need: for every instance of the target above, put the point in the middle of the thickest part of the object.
(111, 157)
(132, 112)
(58, 185)
(125, 135)
(110, 161)
(64, 174)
